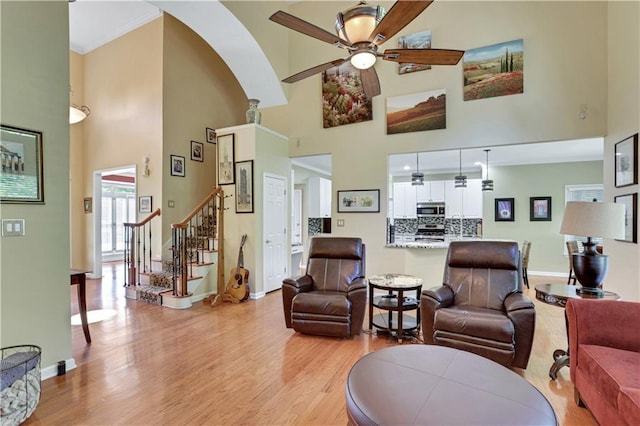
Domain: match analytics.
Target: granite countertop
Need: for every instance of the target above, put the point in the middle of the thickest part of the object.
(401, 243)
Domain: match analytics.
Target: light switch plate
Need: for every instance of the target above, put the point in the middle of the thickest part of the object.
(12, 227)
(340, 222)
(171, 203)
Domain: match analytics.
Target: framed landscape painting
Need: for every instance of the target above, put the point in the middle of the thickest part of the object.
(419, 40)
(343, 98)
(496, 70)
(417, 112)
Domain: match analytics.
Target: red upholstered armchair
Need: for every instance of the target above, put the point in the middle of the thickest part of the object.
(604, 347)
(331, 298)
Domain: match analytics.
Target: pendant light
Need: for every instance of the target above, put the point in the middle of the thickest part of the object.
(417, 178)
(487, 184)
(460, 180)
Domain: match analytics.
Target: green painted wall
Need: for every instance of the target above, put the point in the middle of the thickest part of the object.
(34, 269)
(539, 180)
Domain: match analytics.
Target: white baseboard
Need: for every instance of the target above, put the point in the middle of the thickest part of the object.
(52, 370)
(200, 297)
(258, 295)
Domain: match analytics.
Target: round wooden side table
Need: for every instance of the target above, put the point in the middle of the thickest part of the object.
(557, 295)
(396, 304)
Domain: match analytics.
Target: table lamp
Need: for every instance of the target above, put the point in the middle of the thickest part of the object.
(592, 219)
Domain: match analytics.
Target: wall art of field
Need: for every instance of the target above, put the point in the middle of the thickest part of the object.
(427, 114)
(492, 71)
(343, 98)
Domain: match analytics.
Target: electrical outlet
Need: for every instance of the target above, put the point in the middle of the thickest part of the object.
(12, 227)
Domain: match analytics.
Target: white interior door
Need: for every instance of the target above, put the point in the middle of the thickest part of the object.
(275, 232)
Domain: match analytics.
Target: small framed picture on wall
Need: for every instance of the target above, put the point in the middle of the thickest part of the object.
(539, 209)
(505, 211)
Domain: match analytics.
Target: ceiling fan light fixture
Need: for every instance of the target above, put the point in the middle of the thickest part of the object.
(358, 22)
(363, 59)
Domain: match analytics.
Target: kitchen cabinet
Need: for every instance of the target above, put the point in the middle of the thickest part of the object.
(452, 199)
(404, 200)
(472, 199)
(319, 197)
(431, 191)
(465, 202)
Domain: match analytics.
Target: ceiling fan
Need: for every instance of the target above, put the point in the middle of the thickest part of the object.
(361, 30)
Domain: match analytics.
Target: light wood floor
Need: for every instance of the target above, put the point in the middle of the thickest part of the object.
(234, 364)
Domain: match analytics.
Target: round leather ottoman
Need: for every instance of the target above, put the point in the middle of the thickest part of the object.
(436, 385)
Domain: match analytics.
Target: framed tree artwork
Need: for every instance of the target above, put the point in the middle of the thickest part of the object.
(244, 186)
(226, 159)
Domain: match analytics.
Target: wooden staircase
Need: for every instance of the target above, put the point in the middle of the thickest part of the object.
(193, 256)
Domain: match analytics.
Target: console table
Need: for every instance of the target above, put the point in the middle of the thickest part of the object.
(557, 295)
(80, 278)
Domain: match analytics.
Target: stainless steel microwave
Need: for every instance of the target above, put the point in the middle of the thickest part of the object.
(430, 209)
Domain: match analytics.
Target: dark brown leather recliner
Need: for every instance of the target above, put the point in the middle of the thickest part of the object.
(481, 308)
(330, 299)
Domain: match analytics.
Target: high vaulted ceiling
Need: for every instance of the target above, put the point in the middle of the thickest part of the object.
(93, 23)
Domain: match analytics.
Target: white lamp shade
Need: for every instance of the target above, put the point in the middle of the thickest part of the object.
(363, 60)
(593, 219)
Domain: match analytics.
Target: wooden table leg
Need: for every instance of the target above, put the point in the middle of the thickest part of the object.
(82, 301)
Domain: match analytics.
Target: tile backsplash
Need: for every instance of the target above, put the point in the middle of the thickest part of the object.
(451, 226)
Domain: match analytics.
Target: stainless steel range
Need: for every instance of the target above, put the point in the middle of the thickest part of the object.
(428, 232)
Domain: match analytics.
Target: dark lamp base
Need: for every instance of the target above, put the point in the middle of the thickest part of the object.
(590, 291)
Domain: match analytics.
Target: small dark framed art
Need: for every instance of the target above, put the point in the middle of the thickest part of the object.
(626, 158)
(244, 186)
(210, 135)
(177, 165)
(505, 211)
(539, 209)
(630, 202)
(197, 151)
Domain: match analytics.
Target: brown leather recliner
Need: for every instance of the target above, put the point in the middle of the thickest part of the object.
(330, 299)
(481, 308)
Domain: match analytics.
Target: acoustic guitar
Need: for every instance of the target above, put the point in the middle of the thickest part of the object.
(238, 285)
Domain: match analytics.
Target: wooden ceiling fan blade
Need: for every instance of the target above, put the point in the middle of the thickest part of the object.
(370, 82)
(424, 56)
(313, 70)
(304, 27)
(399, 16)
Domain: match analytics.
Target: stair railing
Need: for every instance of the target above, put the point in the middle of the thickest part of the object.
(137, 249)
(200, 231)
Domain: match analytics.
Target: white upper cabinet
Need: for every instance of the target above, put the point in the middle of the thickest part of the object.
(404, 200)
(431, 191)
(319, 197)
(472, 199)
